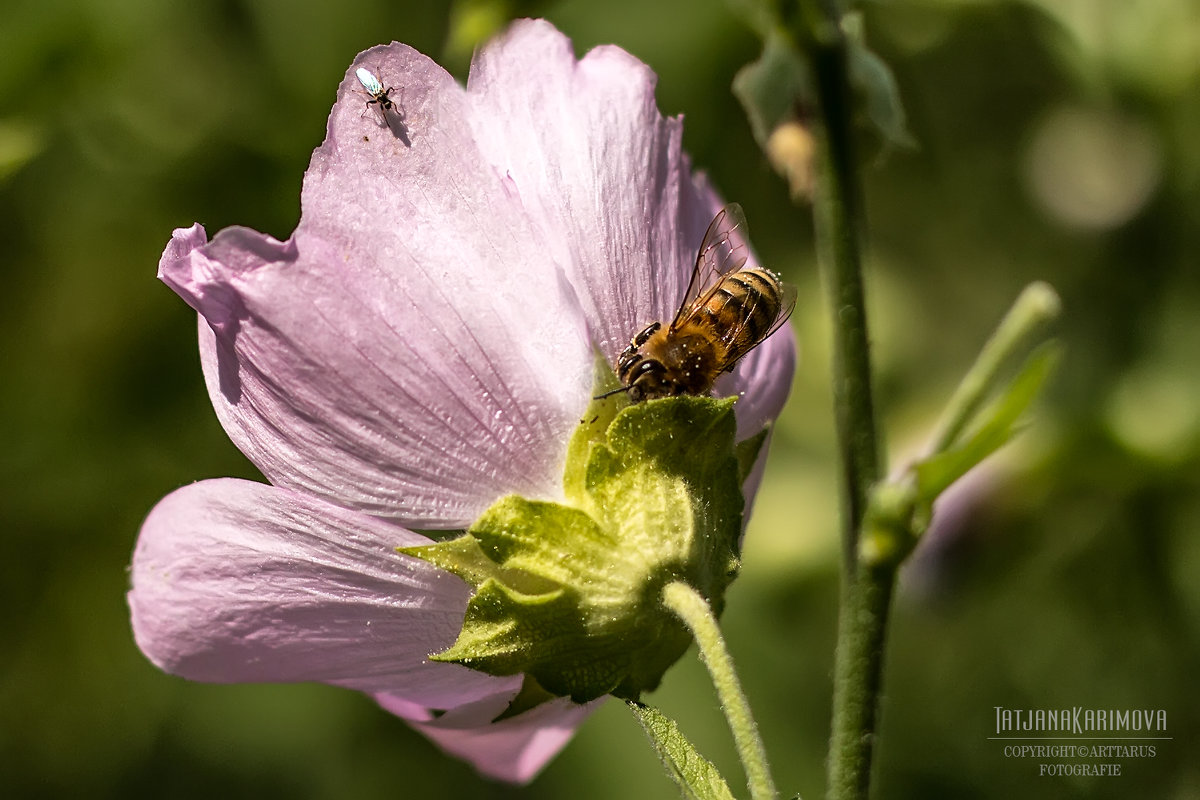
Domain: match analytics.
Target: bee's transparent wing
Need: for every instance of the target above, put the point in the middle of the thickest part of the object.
(740, 344)
(723, 250)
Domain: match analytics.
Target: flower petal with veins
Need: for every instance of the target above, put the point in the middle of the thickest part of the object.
(421, 346)
(236, 581)
(605, 176)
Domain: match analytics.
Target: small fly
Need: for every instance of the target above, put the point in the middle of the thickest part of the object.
(389, 112)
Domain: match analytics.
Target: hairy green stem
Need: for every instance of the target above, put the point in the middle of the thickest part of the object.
(687, 604)
(839, 232)
(857, 683)
(866, 592)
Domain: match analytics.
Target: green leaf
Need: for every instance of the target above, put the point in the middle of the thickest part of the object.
(871, 75)
(531, 561)
(464, 556)
(696, 776)
(992, 427)
(1019, 332)
(772, 88)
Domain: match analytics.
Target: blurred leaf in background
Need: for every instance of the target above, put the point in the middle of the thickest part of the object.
(1055, 141)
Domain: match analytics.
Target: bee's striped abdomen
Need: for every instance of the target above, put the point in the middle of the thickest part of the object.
(744, 307)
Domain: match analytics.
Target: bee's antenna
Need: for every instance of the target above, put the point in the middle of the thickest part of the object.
(618, 390)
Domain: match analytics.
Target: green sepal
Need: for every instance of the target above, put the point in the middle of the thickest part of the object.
(695, 775)
(464, 556)
(747, 452)
(531, 695)
(568, 593)
(593, 427)
(662, 462)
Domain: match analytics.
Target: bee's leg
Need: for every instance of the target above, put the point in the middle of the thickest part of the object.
(645, 334)
(631, 357)
(628, 359)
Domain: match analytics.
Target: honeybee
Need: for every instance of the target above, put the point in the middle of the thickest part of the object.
(726, 312)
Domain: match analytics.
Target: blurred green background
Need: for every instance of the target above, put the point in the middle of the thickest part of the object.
(1057, 140)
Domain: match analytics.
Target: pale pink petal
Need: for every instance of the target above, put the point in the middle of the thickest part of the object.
(513, 749)
(605, 175)
(234, 581)
(409, 352)
(598, 167)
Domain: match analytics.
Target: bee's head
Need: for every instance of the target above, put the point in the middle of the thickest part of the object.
(645, 380)
(651, 380)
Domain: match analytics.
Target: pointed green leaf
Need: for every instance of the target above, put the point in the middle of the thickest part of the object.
(696, 776)
(559, 544)
(1019, 332)
(773, 87)
(871, 75)
(992, 428)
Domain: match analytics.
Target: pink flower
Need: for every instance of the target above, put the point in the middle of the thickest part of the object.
(421, 346)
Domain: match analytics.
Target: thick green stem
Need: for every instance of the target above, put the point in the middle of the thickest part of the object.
(857, 681)
(839, 233)
(687, 604)
(866, 593)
